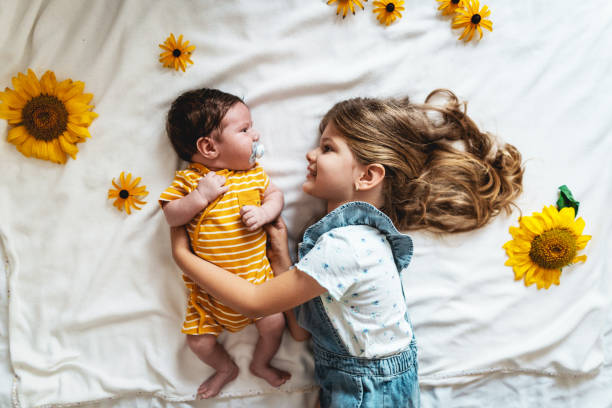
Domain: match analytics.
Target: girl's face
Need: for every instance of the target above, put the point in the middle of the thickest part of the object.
(332, 169)
(235, 143)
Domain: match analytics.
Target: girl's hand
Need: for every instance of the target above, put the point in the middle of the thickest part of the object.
(179, 241)
(278, 246)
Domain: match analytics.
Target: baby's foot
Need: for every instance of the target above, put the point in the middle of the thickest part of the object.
(273, 376)
(215, 382)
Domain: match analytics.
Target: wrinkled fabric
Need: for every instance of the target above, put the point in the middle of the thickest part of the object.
(96, 302)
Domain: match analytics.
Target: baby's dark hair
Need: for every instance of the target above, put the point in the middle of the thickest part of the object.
(442, 173)
(195, 114)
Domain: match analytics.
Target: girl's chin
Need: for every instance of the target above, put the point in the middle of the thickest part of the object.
(311, 191)
(308, 188)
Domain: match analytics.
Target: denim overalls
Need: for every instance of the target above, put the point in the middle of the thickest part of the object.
(345, 380)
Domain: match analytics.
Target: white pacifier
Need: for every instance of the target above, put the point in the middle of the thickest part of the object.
(258, 152)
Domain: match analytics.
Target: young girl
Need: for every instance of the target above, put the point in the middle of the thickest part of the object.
(379, 163)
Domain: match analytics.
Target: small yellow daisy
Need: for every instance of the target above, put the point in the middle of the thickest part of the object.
(345, 5)
(125, 193)
(176, 54)
(388, 10)
(449, 6)
(471, 19)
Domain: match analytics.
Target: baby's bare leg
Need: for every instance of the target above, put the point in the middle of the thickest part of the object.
(270, 330)
(206, 347)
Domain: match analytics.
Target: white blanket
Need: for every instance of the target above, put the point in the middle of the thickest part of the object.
(96, 302)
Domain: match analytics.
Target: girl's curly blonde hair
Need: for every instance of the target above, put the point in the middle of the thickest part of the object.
(442, 173)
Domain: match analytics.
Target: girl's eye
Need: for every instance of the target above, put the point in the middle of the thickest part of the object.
(326, 148)
(245, 130)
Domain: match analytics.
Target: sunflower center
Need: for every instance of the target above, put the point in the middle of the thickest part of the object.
(176, 53)
(476, 19)
(455, 1)
(124, 194)
(553, 249)
(45, 117)
(390, 7)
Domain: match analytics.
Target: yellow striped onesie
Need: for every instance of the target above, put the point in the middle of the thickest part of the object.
(218, 235)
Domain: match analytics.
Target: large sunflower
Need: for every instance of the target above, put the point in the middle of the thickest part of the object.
(471, 19)
(388, 10)
(544, 243)
(449, 6)
(125, 193)
(176, 53)
(50, 118)
(345, 5)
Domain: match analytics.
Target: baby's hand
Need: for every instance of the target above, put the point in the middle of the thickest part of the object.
(211, 186)
(253, 217)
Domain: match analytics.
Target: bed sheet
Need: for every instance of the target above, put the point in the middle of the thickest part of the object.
(95, 300)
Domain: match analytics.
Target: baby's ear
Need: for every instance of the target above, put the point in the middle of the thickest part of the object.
(207, 147)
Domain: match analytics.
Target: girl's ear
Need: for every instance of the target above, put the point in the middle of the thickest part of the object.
(207, 147)
(371, 176)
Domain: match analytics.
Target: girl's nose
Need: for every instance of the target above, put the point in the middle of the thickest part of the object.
(255, 135)
(311, 155)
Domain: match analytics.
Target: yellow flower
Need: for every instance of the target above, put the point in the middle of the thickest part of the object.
(388, 10)
(470, 19)
(449, 6)
(50, 118)
(176, 54)
(126, 191)
(344, 5)
(543, 244)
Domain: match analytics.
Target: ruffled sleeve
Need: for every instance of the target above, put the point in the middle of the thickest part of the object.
(331, 262)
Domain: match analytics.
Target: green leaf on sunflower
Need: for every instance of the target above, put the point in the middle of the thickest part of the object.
(566, 199)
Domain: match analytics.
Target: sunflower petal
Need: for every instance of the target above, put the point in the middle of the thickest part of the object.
(47, 83)
(582, 241)
(31, 84)
(63, 87)
(566, 216)
(17, 135)
(12, 99)
(57, 151)
(577, 226)
(17, 85)
(80, 131)
(40, 149)
(12, 116)
(532, 225)
(26, 147)
(68, 147)
(83, 118)
(520, 270)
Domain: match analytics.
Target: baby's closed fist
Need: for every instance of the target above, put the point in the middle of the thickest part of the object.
(253, 217)
(211, 186)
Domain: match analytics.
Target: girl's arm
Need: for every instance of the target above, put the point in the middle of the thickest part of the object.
(278, 254)
(289, 289)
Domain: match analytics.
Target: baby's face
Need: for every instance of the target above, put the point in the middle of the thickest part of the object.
(235, 143)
